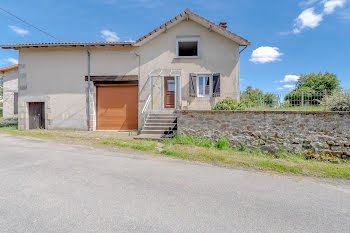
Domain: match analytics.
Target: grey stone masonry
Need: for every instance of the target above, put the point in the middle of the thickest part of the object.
(10, 84)
(273, 131)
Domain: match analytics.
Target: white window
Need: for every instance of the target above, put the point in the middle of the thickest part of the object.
(187, 47)
(204, 86)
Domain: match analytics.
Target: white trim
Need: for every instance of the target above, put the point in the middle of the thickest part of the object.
(188, 57)
(188, 39)
(210, 85)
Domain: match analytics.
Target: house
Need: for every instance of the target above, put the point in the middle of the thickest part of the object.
(186, 63)
(10, 90)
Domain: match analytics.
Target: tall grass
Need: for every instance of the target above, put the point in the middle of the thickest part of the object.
(221, 144)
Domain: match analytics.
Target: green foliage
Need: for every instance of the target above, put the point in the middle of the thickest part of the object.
(228, 104)
(255, 97)
(243, 147)
(312, 87)
(190, 140)
(251, 97)
(318, 82)
(270, 99)
(222, 144)
(339, 101)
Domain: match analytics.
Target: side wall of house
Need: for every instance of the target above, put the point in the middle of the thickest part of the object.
(10, 85)
(56, 75)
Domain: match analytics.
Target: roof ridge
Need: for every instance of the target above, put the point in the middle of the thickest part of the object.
(187, 11)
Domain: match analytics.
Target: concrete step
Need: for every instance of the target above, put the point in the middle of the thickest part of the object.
(165, 128)
(161, 115)
(151, 121)
(161, 124)
(162, 111)
(158, 137)
(158, 131)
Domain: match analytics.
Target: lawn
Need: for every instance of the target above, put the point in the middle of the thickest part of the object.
(201, 150)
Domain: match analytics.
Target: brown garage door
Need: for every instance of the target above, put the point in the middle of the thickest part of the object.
(117, 107)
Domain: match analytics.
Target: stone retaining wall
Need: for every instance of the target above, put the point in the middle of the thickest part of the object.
(272, 131)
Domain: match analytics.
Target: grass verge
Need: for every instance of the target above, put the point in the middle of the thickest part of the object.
(202, 150)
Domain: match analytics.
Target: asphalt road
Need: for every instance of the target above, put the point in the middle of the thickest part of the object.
(52, 187)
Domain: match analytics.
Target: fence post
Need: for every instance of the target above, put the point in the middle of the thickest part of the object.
(302, 99)
(325, 99)
(263, 102)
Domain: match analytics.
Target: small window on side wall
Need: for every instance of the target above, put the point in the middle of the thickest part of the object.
(187, 47)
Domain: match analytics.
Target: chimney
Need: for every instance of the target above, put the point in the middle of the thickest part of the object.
(223, 24)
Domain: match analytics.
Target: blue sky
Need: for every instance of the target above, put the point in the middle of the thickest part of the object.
(288, 37)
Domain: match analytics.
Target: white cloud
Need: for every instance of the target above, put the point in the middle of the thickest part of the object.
(286, 86)
(12, 60)
(307, 19)
(19, 31)
(290, 78)
(266, 54)
(109, 36)
(307, 3)
(330, 5)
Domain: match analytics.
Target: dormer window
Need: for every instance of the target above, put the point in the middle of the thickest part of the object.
(187, 47)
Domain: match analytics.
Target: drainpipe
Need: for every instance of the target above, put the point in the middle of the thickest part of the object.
(239, 84)
(89, 79)
(138, 95)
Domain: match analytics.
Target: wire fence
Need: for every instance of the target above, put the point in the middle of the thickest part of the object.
(325, 100)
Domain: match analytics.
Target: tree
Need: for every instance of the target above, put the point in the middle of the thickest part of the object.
(319, 82)
(312, 87)
(255, 97)
(251, 97)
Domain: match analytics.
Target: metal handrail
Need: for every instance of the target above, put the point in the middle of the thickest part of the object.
(145, 111)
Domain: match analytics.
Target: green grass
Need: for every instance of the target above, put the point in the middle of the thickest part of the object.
(142, 145)
(12, 130)
(196, 141)
(202, 150)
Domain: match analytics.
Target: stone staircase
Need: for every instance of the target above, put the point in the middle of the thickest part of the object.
(159, 125)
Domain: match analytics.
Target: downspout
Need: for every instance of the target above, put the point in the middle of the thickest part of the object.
(89, 92)
(138, 94)
(239, 75)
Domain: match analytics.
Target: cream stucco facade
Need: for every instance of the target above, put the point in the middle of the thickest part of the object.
(56, 75)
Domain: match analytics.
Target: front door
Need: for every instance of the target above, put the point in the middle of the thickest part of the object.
(36, 115)
(169, 92)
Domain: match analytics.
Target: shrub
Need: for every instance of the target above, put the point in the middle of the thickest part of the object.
(228, 104)
(339, 101)
(222, 144)
(243, 148)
